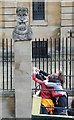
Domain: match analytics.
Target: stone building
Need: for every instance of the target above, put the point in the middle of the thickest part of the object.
(47, 19)
(45, 25)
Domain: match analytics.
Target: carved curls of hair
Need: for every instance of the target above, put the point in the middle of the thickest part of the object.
(21, 9)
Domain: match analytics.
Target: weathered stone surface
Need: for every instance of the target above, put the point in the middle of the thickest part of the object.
(67, 23)
(22, 31)
(67, 3)
(8, 106)
(7, 3)
(10, 17)
(9, 24)
(66, 16)
(0, 107)
(23, 91)
(66, 10)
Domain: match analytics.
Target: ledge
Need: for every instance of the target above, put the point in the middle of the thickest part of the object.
(51, 117)
(7, 92)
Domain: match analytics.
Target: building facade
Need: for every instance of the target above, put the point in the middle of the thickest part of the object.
(47, 19)
(44, 17)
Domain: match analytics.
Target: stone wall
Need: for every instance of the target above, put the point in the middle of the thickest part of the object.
(45, 28)
(66, 17)
(7, 15)
(7, 106)
(67, 24)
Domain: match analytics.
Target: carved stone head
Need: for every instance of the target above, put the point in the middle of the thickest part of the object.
(22, 30)
(22, 11)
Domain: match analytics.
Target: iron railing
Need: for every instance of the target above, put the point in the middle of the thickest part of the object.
(7, 64)
(59, 57)
(49, 55)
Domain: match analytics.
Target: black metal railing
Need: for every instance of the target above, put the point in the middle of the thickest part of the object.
(58, 57)
(48, 54)
(7, 64)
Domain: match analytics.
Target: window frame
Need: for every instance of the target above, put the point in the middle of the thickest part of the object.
(39, 22)
(38, 10)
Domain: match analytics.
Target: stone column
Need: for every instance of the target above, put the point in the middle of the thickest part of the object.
(1, 106)
(22, 49)
(23, 96)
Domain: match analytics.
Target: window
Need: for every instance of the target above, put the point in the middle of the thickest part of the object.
(39, 49)
(38, 10)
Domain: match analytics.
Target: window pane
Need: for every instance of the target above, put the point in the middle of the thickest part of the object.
(38, 10)
(39, 49)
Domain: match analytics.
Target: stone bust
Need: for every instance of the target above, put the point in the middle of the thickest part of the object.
(22, 31)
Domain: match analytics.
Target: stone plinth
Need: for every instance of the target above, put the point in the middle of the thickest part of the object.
(23, 96)
(0, 106)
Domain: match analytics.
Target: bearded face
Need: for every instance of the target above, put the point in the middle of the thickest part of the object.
(22, 31)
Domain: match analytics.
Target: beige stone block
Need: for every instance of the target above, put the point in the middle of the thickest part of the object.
(1, 24)
(8, 33)
(67, 22)
(0, 107)
(11, 104)
(67, 10)
(53, 1)
(1, 10)
(1, 36)
(9, 3)
(10, 24)
(10, 17)
(66, 16)
(23, 51)
(23, 4)
(24, 1)
(8, 106)
(66, 3)
(10, 10)
(54, 13)
(1, 4)
(1, 18)
(73, 16)
(45, 32)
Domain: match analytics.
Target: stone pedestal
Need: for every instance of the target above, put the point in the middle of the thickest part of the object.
(23, 96)
(1, 106)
